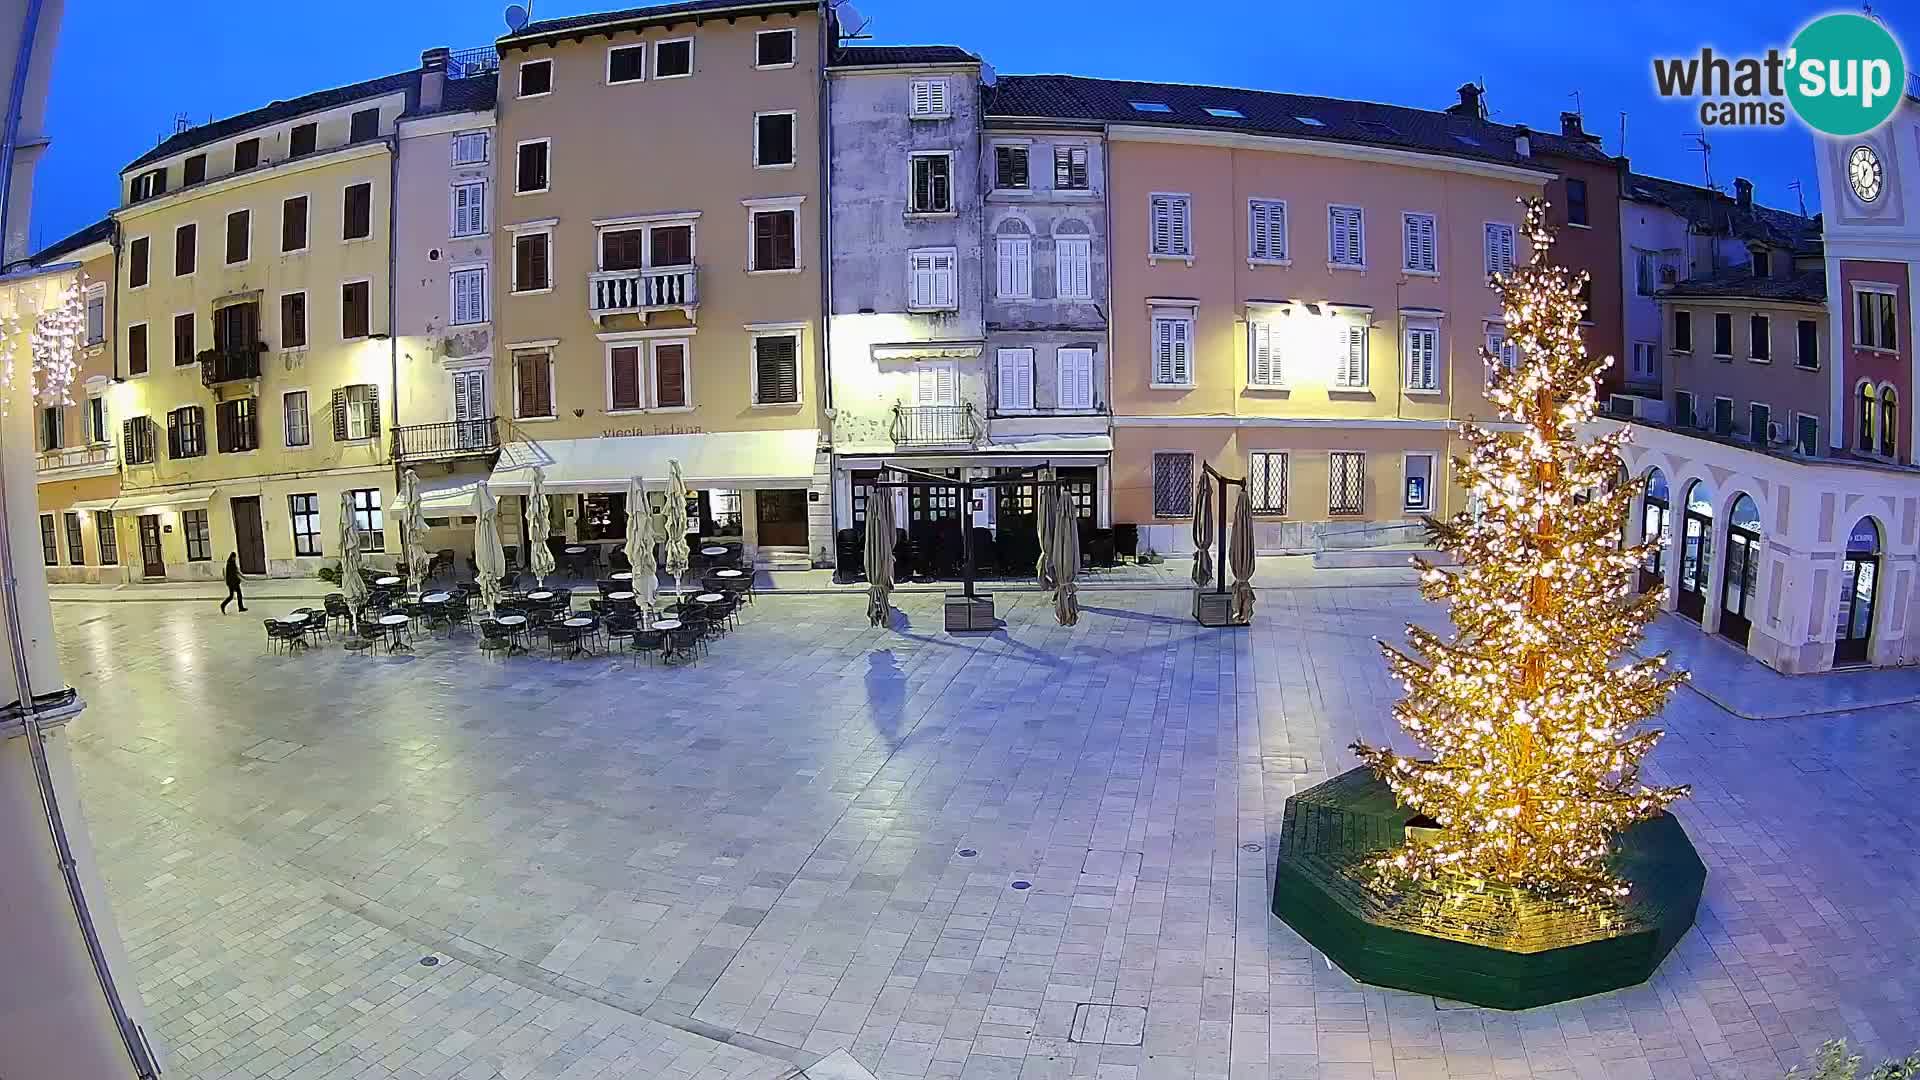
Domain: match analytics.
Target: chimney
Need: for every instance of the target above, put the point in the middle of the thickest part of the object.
(1570, 125)
(1743, 192)
(1522, 141)
(433, 78)
(1470, 104)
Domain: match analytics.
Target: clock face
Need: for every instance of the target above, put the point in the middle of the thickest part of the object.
(1863, 172)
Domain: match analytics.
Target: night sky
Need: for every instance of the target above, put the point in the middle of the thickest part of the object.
(123, 70)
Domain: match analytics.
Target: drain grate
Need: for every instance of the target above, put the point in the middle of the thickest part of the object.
(1108, 1025)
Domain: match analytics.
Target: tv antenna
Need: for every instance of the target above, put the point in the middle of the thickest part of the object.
(1623, 134)
(1576, 104)
(1800, 190)
(1705, 149)
(518, 16)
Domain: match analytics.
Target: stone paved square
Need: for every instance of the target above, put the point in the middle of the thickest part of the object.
(744, 866)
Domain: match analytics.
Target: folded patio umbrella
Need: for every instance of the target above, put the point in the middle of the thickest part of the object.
(539, 524)
(352, 562)
(489, 560)
(641, 536)
(1240, 558)
(677, 553)
(1064, 540)
(1043, 527)
(1202, 533)
(413, 531)
(879, 555)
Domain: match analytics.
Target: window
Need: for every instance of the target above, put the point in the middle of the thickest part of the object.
(1418, 494)
(1151, 106)
(670, 245)
(356, 412)
(673, 59)
(1760, 335)
(1070, 168)
(532, 383)
(530, 173)
(1267, 481)
(930, 280)
(186, 432)
(670, 375)
(1346, 482)
(355, 310)
(193, 170)
(1172, 484)
(305, 511)
(1869, 412)
(199, 542)
(1225, 113)
(932, 191)
(147, 185)
(772, 139)
(364, 125)
(137, 262)
(1723, 416)
(1172, 222)
(96, 315)
(1172, 350)
(138, 444)
(626, 63)
(470, 148)
(1646, 360)
(1722, 334)
(246, 154)
(1266, 230)
(109, 540)
(776, 369)
(470, 208)
(236, 426)
(1350, 361)
(76, 548)
(1015, 370)
(1576, 201)
(469, 295)
(1762, 262)
(1759, 415)
(1806, 437)
(532, 262)
(1423, 358)
(1346, 236)
(53, 427)
(928, 99)
(1013, 267)
(367, 519)
(303, 140)
(629, 377)
(936, 382)
(183, 351)
(623, 378)
(623, 249)
(49, 553)
(97, 418)
(239, 236)
(1073, 268)
(1683, 408)
(536, 78)
(1264, 362)
(1876, 318)
(1889, 421)
(774, 243)
(773, 48)
(1683, 331)
(185, 240)
(1010, 168)
(1420, 235)
(356, 212)
(236, 327)
(1499, 245)
(293, 224)
(1076, 378)
(1645, 272)
(293, 320)
(294, 419)
(137, 349)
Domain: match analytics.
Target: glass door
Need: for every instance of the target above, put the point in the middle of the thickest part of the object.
(1859, 584)
(1736, 591)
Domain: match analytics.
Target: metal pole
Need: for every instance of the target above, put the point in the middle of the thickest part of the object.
(1220, 515)
(966, 533)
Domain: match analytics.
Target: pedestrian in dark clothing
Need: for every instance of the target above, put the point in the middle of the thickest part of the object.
(233, 584)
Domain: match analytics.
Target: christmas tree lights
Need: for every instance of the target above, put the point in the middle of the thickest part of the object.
(1534, 731)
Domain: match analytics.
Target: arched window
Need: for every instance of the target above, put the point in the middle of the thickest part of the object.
(1889, 420)
(1867, 409)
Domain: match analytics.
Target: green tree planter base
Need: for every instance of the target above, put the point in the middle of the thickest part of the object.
(1491, 945)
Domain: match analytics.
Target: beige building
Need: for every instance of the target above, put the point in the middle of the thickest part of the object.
(1745, 357)
(659, 241)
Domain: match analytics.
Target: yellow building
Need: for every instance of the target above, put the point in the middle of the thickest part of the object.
(254, 290)
(660, 255)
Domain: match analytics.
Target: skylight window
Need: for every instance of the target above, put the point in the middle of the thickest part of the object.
(1150, 106)
(1466, 140)
(1375, 127)
(1225, 113)
(1310, 121)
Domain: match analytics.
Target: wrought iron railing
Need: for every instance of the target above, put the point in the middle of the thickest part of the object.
(468, 63)
(231, 364)
(935, 425)
(74, 457)
(614, 292)
(450, 439)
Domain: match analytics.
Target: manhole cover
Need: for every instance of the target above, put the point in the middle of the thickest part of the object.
(1108, 1025)
(967, 853)
(1023, 884)
(429, 961)
(1249, 847)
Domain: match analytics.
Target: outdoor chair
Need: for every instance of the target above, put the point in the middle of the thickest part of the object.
(608, 585)
(457, 610)
(618, 624)
(685, 641)
(558, 635)
(495, 637)
(649, 643)
(371, 633)
(275, 639)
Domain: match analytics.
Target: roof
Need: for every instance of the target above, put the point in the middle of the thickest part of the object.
(611, 18)
(1260, 112)
(95, 233)
(1717, 212)
(474, 93)
(279, 111)
(901, 55)
(1739, 283)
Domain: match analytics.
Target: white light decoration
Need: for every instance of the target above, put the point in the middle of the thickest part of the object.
(53, 345)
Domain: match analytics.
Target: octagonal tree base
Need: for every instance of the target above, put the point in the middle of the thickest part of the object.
(1492, 945)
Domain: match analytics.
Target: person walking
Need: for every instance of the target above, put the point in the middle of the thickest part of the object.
(233, 584)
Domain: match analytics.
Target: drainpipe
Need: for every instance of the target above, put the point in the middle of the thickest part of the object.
(393, 315)
(1106, 212)
(829, 31)
(113, 338)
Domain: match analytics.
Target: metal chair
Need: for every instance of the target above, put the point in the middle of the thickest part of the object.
(495, 637)
(649, 643)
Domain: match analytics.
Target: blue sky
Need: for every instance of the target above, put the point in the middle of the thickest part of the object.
(115, 89)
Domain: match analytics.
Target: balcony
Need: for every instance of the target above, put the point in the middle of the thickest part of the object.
(94, 459)
(935, 425)
(637, 292)
(456, 438)
(234, 363)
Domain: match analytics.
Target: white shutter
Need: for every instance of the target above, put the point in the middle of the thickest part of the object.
(1073, 268)
(1266, 229)
(926, 390)
(1420, 252)
(1503, 353)
(1182, 240)
(1015, 267)
(1162, 225)
(469, 209)
(1173, 364)
(469, 296)
(929, 97)
(1016, 378)
(948, 383)
(1499, 249)
(1076, 378)
(470, 148)
(1350, 367)
(1344, 228)
(1422, 363)
(1263, 359)
(1163, 351)
(943, 281)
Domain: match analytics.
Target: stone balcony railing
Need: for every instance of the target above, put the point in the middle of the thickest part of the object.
(95, 455)
(631, 292)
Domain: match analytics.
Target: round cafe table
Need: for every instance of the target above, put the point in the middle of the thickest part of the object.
(620, 575)
(575, 549)
(708, 598)
(436, 598)
(516, 625)
(621, 595)
(396, 628)
(540, 595)
(665, 624)
(713, 551)
(577, 624)
(295, 617)
(730, 573)
(387, 582)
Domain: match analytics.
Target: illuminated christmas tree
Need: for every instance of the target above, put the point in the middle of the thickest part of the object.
(1534, 731)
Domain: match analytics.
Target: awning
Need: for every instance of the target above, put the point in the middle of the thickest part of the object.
(92, 504)
(1056, 444)
(153, 500)
(447, 496)
(723, 459)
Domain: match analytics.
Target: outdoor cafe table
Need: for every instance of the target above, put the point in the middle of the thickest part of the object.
(516, 625)
(396, 628)
(713, 551)
(540, 596)
(387, 582)
(708, 598)
(577, 624)
(730, 573)
(436, 598)
(620, 575)
(622, 595)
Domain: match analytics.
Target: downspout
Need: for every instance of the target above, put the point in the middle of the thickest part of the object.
(829, 32)
(1106, 214)
(113, 336)
(138, 1053)
(393, 316)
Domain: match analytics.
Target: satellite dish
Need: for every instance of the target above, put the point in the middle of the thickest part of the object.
(516, 18)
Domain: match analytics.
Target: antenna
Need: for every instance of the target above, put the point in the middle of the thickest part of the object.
(1801, 191)
(1705, 149)
(181, 122)
(1576, 105)
(1623, 134)
(517, 17)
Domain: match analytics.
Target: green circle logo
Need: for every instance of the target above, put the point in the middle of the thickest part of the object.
(1846, 74)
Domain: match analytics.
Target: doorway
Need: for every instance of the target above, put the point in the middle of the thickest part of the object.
(249, 539)
(1696, 551)
(471, 410)
(151, 564)
(1743, 571)
(781, 516)
(1859, 586)
(1653, 530)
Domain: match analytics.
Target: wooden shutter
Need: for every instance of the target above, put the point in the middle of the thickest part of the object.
(1263, 361)
(1499, 249)
(373, 411)
(173, 434)
(625, 376)
(340, 415)
(1073, 268)
(929, 97)
(776, 367)
(293, 223)
(357, 211)
(223, 427)
(1163, 350)
(670, 376)
(129, 444)
(1421, 365)
(1344, 240)
(1266, 230)
(1076, 378)
(1015, 267)
(469, 214)
(1350, 367)
(1419, 242)
(1162, 225)
(239, 224)
(1016, 378)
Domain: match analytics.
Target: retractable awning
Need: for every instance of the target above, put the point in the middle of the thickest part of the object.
(724, 459)
(152, 500)
(447, 496)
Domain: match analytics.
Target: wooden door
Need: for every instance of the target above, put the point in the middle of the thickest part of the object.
(471, 408)
(249, 539)
(152, 565)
